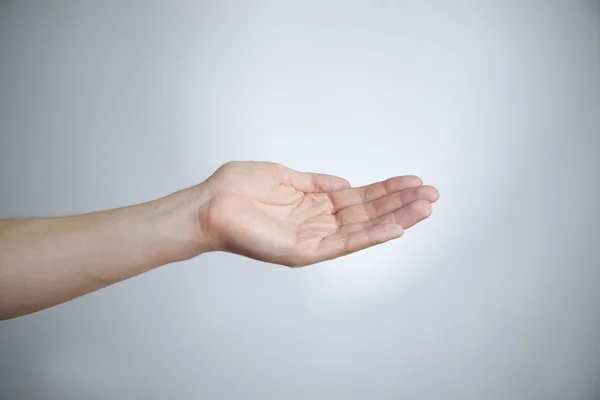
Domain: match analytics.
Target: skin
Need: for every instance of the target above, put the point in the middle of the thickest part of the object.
(260, 210)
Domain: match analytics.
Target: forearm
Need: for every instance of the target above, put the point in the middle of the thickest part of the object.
(48, 261)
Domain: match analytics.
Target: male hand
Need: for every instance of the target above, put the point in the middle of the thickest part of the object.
(275, 214)
(257, 209)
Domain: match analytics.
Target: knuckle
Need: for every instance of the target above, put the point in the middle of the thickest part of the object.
(371, 210)
(340, 218)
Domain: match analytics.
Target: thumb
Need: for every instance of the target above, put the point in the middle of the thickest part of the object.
(314, 182)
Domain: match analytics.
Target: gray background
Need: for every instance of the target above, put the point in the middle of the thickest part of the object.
(105, 104)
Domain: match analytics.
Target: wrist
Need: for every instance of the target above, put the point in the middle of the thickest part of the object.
(179, 222)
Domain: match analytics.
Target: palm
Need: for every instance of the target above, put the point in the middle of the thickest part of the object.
(274, 214)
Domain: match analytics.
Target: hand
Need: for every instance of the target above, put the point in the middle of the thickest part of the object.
(275, 214)
(260, 210)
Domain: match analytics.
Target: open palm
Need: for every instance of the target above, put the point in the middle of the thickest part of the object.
(275, 214)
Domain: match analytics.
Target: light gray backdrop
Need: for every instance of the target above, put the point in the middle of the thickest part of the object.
(105, 104)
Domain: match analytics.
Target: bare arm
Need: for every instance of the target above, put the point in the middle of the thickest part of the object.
(260, 210)
(46, 261)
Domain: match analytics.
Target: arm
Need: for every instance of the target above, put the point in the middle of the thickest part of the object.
(48, 261)
(260, 210)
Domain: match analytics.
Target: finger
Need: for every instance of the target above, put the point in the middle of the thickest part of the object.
(407, 217)
(353, 196)
(385, 205)
(341, 244)
(315, 183)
